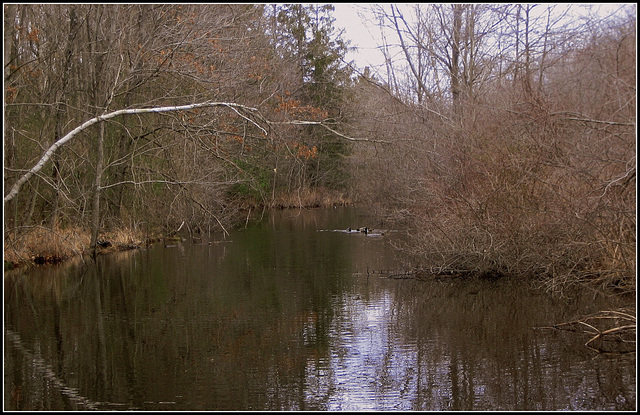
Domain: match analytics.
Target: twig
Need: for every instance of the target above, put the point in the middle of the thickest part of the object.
(601, 334)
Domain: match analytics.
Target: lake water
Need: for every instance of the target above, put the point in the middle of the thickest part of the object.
(293, 313)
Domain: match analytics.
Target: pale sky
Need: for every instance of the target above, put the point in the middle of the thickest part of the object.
(366, 35)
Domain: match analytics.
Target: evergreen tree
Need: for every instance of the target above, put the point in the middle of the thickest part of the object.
(305, 36)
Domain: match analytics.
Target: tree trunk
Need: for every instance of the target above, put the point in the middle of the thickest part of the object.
(95, 211)
(455, 57)
(10, 56)
(237, 108)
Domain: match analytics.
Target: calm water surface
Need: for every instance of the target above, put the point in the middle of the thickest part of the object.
(288, 314)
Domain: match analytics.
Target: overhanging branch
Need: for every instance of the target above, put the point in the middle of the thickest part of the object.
(302, 122)
(239, 109)
(95, 120)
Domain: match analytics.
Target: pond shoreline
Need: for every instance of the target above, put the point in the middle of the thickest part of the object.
(46, 247)
(290, 306)
(42, 246)
(71, 245)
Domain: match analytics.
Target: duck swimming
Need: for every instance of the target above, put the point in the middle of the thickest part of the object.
(363, 229)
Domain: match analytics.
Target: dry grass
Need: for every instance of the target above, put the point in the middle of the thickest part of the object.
(124, 238)
(40, 245)
(316, 197)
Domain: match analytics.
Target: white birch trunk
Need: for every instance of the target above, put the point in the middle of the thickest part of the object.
(55, 146)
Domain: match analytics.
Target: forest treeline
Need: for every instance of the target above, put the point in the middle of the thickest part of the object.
(502, 136)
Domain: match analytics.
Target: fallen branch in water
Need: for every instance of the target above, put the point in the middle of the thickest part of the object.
(423, 275)
(605, 339)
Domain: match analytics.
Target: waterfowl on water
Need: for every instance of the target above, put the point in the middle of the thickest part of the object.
(367, 231)
(103, 243)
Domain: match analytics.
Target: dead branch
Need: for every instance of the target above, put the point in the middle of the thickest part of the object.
(617, 339)
(321, 124)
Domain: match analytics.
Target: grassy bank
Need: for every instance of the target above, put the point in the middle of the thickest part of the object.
(316, 197)
(308, 198)
(37, 245)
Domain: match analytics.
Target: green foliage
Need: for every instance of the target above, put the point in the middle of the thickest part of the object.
(305, 35)
(254, 183)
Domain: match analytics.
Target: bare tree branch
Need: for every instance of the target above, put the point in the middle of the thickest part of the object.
(302, 122)
(55, 146)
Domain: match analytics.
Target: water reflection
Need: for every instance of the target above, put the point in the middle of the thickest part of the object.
(469, 345)
(283, 317)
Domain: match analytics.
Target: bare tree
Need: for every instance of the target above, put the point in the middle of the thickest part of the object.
(524, 181)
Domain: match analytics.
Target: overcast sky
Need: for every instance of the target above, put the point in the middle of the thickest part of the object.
(361, 34)
(366, 34)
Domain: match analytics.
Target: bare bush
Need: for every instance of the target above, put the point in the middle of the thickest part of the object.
(535, 175)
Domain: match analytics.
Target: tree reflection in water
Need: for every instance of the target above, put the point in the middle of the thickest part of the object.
(286, 318)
